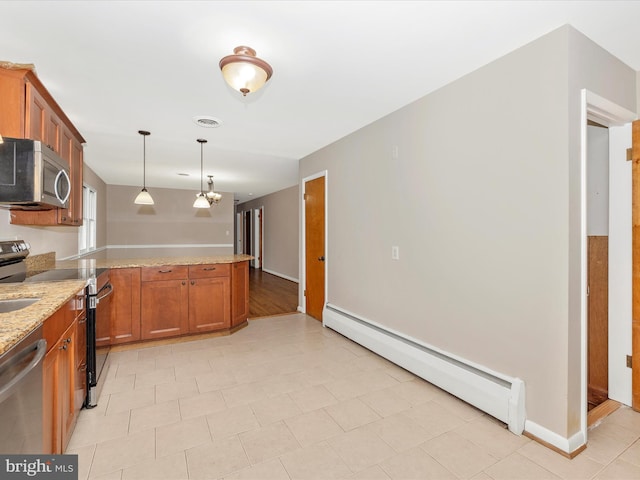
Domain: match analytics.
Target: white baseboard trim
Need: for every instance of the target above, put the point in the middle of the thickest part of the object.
(281, 275)
(566, 445)
(501, 396)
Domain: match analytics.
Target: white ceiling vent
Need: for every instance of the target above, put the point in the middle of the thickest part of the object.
(207, 121)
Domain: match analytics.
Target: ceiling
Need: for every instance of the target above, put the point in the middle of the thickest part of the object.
(116, 67)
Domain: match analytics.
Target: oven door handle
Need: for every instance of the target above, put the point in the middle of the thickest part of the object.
(8, 389)
(99, 297)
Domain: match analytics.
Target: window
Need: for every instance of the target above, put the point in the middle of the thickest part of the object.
(87, 232)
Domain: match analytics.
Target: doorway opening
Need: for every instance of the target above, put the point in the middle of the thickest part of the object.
(606, 259)
(597, 264)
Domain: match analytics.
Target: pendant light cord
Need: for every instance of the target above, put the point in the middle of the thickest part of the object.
(144, 162)
(201, 169)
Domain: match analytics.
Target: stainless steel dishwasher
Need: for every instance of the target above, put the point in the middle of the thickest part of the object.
(21, 396)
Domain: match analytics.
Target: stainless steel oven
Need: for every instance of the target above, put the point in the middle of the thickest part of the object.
(98, 302)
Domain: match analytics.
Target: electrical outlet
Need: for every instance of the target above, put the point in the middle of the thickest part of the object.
(395, 253)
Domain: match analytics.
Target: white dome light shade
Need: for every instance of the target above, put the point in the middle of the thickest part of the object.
(201, 202)
(144, 198)
(245, 72)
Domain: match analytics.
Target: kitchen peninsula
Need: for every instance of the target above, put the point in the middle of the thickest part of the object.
(163, 297)
(157, 297)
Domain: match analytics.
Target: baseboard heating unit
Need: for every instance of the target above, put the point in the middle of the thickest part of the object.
(498, 395)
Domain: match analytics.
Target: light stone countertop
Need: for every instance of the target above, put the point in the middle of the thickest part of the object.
(17, 324)
(151, 262)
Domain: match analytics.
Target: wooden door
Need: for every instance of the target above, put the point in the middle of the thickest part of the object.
(635, 325)
(598, 319)
(314, 208)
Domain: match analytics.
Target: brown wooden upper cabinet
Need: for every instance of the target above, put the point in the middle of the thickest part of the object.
(27, 110)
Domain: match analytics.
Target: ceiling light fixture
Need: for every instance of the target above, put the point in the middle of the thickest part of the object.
(144, 198)
(212, 196)
(201, 198)
(245, 72)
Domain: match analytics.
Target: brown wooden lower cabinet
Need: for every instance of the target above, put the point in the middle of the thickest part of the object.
(239, 293)
(59, 375)
(209, 300)
(172, 300)
(123, 325)
(165, 306)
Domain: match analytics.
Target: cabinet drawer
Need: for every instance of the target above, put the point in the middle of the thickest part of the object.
(56, 324)
(209, 270)
(165, 272)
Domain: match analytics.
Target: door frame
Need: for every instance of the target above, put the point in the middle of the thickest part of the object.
(607, 113)
(303, 240)
(239, 233)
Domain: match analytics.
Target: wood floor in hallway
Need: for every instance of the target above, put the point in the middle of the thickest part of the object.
(271, 295)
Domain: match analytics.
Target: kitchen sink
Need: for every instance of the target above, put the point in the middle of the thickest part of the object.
(16, 304)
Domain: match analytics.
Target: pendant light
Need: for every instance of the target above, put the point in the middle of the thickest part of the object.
(201, 199)
(213, 196)
(143, 197)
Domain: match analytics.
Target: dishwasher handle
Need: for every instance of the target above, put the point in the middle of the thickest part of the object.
(41, 347)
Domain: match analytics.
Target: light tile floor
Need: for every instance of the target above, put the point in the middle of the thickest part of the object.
(286, 398)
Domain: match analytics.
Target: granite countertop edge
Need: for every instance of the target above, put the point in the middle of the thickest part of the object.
(16, 325)
(152, 261)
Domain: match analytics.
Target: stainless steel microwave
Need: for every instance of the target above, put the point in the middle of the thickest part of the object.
(32, 176)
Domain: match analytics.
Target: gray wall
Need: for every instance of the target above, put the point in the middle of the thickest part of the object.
(171, 221)
(61, 240)
(281, 227)
(482, 203)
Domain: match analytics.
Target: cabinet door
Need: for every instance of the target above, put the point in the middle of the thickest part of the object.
(123, 324)
(77, 169)
(240, 293)
(71, 151)
(164, 308)
(50, 404)
(66, 383)
(36, 115)
(209, 306)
